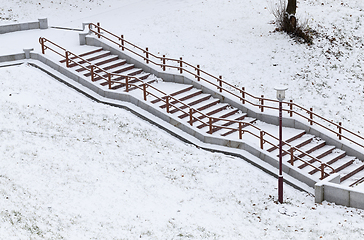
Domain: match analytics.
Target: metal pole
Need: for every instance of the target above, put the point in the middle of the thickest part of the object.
(280, 176)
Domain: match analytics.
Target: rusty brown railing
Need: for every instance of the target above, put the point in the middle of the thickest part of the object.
(221, 86)
(71, 58)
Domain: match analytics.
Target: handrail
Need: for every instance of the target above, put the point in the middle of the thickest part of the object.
(166, 99)
(293, 108)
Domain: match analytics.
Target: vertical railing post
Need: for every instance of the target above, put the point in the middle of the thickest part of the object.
(291, 108)
(322, 171)
(311, 116)
(292, 156)
(98, 30)
(122, 42)
(145, 91)
(126, 84)
(164, 62)
(340, 130)
(146, 55)
(220, 83)
(42, 45)
(240, 131)
(198, 72)
(210, 125)
(180, 65)
(191, 117)
(262, 103)
(243, 94)
(92, 73)
(167, 103)
(261, 139)
(67, 59)
(109, 79)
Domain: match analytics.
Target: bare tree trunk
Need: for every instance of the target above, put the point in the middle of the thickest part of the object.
(291, 11)
(291, 7)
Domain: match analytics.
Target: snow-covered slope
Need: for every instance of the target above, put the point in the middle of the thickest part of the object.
(75, 169)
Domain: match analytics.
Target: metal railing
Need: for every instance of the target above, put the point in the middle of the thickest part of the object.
(171, 102)
(223, 86)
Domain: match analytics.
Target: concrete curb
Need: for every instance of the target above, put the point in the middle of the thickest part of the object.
(42, 23)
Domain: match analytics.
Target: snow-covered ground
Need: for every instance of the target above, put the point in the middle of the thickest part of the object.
(75, 169)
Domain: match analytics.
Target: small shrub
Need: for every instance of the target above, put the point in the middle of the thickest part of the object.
(289, 24)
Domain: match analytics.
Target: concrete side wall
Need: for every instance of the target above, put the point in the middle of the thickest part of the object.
(40, 24)
(12, 57)
(330, 190)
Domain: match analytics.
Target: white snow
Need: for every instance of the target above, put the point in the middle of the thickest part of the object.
(75, 169)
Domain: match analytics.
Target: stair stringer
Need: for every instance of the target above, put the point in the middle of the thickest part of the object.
(328, 137)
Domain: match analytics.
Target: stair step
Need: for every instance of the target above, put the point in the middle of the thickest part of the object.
(175, 93)
(90, 59)
(319, 153)
(345, 165)
(84, 54)
(202, 106)
(186, 97)
(352, 173)
(122, 70)
(108, 66)
(103, 61)
(137, 79)
(219, 112)
(288, 140)
(229, 123)
(309, 148)
(251, 121)
(332, 158)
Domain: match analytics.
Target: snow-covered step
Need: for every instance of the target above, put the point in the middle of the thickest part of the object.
(84, 55)
(90, 58)
(318, 154)
(101, 62)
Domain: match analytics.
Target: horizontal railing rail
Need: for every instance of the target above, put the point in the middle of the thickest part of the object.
(71, 58)
(223, 86)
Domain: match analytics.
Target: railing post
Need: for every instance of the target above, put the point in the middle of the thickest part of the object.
(262, 103)
(109, 79)
(340, 130)
(67, 59)
(92, 73)
(98, 30)
(167, 103)
(311, 116)
(42, 45)
(145, 91)
(191, 117)
(180, 65)
(146, 55)
(291, 108)
(220, 83)
(240, 131)
(243, 94)
(322, 171)
(261, 139)
(198, 72)
(292, 156)
(210, 125)
(127, 84)
(122, 42)
(164, 62)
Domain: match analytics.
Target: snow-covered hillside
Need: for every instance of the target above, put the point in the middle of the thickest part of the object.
(75, 169)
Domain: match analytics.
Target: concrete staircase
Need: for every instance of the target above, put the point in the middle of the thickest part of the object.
(350, 169)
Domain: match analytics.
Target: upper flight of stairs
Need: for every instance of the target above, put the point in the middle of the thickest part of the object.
(350, 168)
